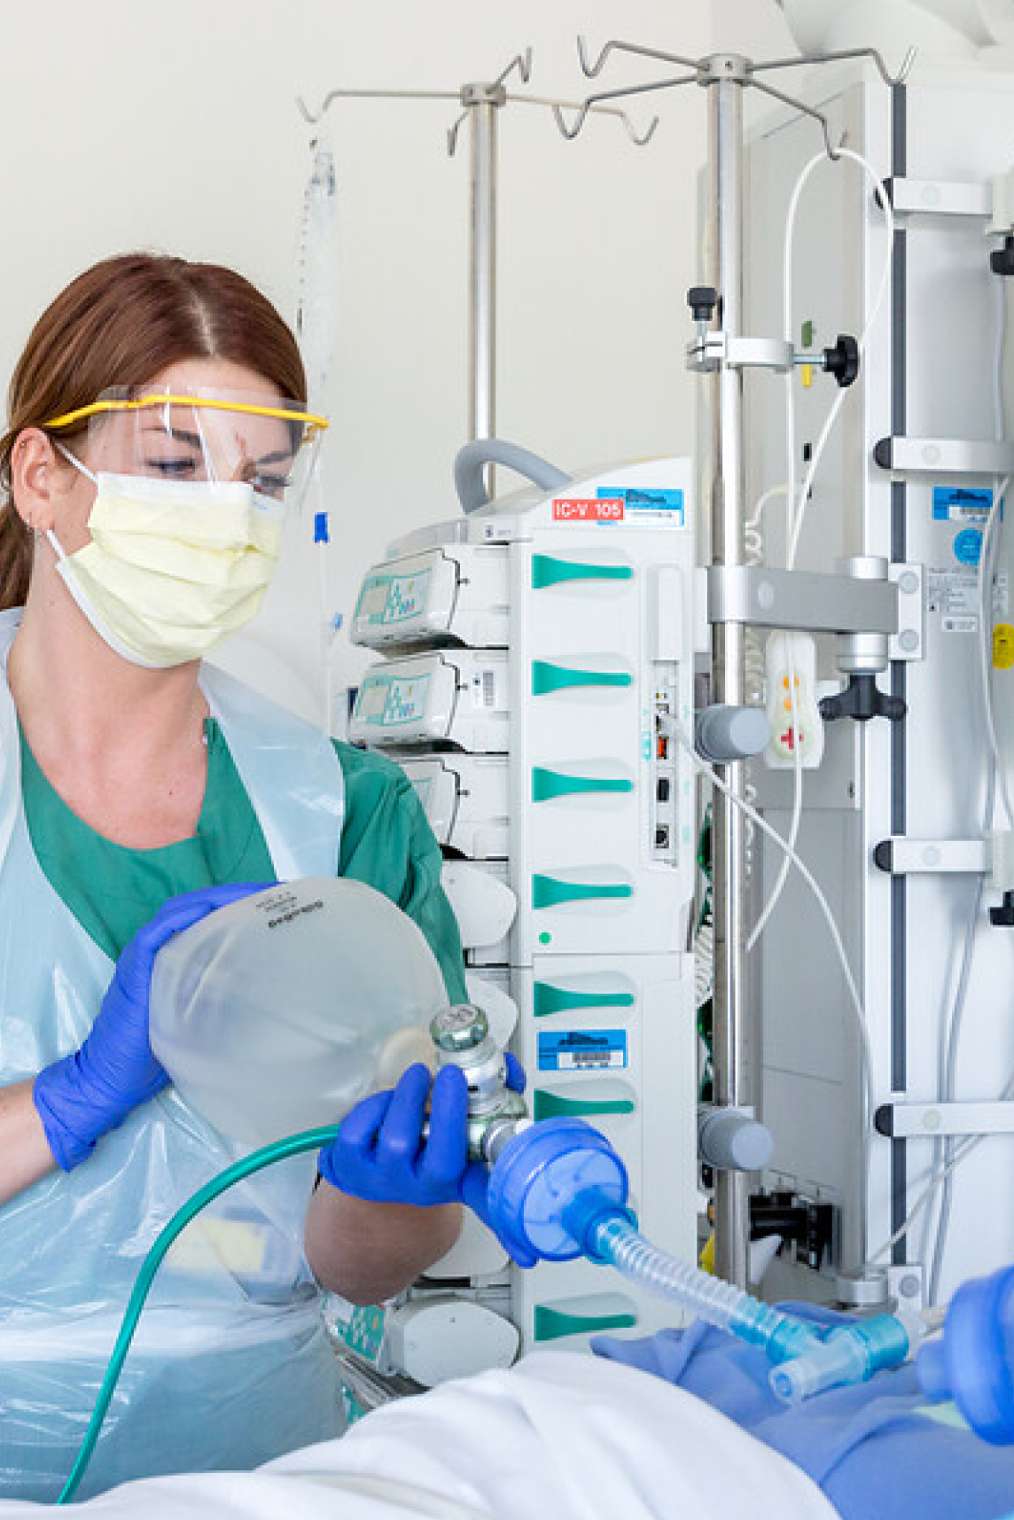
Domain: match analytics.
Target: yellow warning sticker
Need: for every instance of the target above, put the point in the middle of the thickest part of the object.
(1003, 646)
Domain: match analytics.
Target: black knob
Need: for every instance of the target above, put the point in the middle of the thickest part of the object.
(1003, 917)
(1001, 260)
(702, 300)
(862, 700)
(842, 361)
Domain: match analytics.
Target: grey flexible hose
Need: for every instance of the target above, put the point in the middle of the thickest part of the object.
(472, 460)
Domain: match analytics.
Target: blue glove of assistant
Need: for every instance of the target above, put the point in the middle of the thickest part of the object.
(90, 1092)
(380, 1154)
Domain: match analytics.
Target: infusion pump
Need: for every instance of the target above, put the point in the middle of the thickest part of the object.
(527, 651)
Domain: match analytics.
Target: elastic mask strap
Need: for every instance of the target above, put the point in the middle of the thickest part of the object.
(51, 538)
(55, 544)
(73, 459)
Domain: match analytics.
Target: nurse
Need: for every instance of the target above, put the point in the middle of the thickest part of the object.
(157, 439)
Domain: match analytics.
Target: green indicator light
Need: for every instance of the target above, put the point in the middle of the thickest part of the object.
(807, 334)
(545, 938)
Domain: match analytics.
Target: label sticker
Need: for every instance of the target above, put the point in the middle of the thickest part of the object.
(967, 546)
(582, 1049)
(578, 509)
(663, 505)
(954, 596)
(387, 700)
(393, 598)
(1003, 646)
(961, 504)
(484, 688)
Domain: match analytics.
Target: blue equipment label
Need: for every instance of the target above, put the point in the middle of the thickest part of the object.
(663, 505)
(968, 546)
(582, 1049)
(961, 503)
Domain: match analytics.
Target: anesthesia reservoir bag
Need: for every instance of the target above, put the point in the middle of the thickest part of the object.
(279, 1012)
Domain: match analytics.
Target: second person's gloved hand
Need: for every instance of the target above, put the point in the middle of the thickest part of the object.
(380, 1153)
(90, 1092)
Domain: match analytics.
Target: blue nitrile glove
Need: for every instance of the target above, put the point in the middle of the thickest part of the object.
(90, 1092)
(380, 1154)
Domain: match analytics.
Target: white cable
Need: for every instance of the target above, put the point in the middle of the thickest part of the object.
(963, 1150)
(753, 542)
(669, 726)
(794, 514)
(797, 817)
(798, 511)
(753, 554)
(753, 523)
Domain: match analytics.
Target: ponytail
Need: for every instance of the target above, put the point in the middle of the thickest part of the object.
(15, 558)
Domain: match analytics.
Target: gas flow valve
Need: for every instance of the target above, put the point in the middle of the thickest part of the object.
(495, 1113)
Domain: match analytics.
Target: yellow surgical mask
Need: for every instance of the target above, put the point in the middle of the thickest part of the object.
(174, 566)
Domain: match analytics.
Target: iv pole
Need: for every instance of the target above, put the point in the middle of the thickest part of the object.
(725, 76)
(481, 104)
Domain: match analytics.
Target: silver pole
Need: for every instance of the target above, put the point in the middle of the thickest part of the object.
(724, 260)
(483, 110)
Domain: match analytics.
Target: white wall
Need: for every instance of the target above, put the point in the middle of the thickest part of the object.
(174, 128)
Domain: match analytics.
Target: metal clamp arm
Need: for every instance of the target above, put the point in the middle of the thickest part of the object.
(799, 599)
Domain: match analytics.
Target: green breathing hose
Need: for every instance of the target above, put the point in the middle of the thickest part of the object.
(279, 1150)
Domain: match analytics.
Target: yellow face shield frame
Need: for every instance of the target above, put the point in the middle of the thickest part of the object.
(312, 420)
(195, 436)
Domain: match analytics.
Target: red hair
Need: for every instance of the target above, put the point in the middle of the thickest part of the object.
(120, 324)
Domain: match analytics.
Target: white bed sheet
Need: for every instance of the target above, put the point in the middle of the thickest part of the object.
(559, 1437)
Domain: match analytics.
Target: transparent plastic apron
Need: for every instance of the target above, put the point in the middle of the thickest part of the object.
(230, 1365)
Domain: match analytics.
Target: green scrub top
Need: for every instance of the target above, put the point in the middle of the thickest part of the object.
(111, 890)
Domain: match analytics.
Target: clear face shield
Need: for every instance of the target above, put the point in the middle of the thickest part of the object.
(213, 436)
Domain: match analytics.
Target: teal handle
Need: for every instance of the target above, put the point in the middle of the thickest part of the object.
(549, 571)
(549, 784)
(554, 1324)
(549, 1105)
(548, 999)
(547, 892)
(548, 678)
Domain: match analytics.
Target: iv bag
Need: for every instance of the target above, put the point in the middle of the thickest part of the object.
(279, 1012)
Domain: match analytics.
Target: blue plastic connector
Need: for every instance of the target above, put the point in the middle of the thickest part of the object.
(848, 1355)
(585, 1213)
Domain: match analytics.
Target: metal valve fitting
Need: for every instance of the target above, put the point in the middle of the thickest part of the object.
(495, 1113)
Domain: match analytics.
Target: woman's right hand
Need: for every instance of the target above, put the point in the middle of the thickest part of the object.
(88, 1093)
